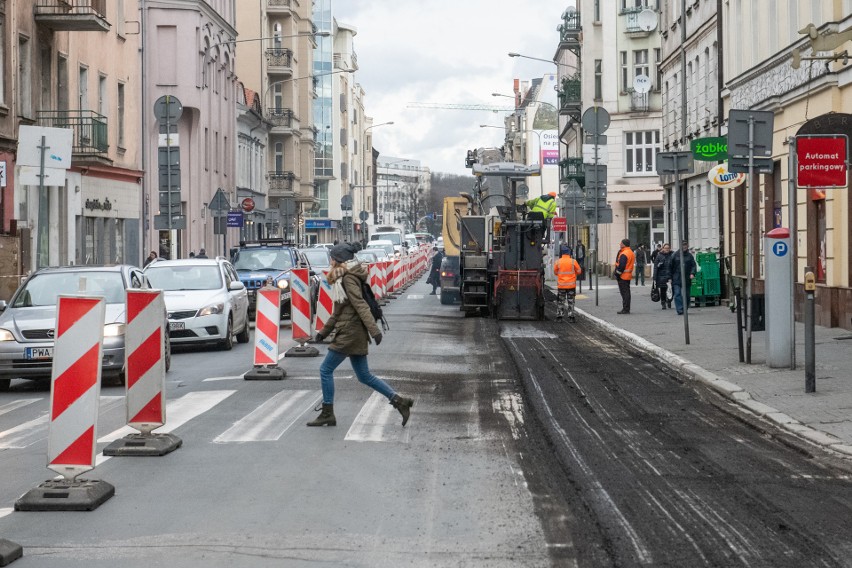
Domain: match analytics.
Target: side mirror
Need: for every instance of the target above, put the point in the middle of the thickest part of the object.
(3, 305)
(236, 285)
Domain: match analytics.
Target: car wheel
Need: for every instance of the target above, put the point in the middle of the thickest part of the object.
(243, 336)
(5, 384)
(228, 343)
(447, 297)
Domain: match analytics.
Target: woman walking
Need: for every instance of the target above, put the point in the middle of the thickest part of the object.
(663, 273)
(353, 325)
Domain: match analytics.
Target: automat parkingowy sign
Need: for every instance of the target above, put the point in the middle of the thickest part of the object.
(822, 161)
(710, 149)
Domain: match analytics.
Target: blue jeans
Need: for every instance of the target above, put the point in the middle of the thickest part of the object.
(359, 364)
(678, 299)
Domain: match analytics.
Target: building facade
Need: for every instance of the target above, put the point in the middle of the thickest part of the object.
(403, 187)
(75, 67)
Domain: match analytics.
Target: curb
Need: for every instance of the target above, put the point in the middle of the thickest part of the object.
(726, 388)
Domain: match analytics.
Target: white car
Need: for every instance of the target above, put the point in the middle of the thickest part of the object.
(205, 300)
(387, 246)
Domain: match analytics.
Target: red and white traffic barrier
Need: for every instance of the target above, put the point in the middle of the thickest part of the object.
(325, 306)
(300, 313)
(144, 344)
(389, 277)
(373, 276)
(397, 275)
(75, 388)
(266, 335)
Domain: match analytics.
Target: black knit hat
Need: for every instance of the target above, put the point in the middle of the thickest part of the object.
(343, 252)
(625, 242)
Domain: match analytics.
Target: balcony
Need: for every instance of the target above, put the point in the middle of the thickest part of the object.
(572, 168)
(281, 182)
(279, 7)
(640, 102)
(90, 130)
(570, 96)
(570, 29)
(279, 61)
(283, 120)
(632, 26)
(72, 15)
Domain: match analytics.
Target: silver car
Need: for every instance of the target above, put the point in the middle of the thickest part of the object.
(205, 300)
(28, 321)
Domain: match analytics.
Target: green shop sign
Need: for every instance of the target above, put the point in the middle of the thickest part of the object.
(710, 149)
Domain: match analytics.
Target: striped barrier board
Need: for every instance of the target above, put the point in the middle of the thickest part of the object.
(266, 335)
(300, 313)
(324, 304)
(75, 388)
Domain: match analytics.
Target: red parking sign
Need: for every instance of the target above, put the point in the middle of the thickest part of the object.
(822, 161)
(559, 224)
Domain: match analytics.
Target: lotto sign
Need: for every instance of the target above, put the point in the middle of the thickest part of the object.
(822, 161)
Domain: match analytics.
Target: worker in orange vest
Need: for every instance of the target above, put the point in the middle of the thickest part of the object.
(624, 261)
(566, 270)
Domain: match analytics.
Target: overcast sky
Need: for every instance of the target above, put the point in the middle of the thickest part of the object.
(445, 51)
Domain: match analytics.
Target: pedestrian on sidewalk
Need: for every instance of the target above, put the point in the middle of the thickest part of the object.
(641, 254)
(353, 325)
(655, 253)
(566, 270)
(435, 274)
(681, 291)
(663, 274)
(624, 263)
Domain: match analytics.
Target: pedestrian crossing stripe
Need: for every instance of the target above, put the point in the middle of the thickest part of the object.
(269, 421)
(377, 421)
(28, 433)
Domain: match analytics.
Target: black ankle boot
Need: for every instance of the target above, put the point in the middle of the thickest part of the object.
(403, 405)
(326, 417)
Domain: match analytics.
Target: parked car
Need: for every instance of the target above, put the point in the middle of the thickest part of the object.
(381, 254)
(387, 246)
(257, 261)
(450, 280)
(366, 257)
(205, 300)
(28, 321)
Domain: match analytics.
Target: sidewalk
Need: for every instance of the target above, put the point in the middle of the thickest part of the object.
(712, 357)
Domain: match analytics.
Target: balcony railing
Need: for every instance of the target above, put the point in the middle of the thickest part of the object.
(90, 129)
(572, 168)
(639, 102)
(281, 117)
(279, 6)
(279, 57)
(632, 25)
(570, 28)
(281, 181)
(72, 15)
(570, 95)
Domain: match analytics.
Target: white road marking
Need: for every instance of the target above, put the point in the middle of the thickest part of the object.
(269, 421)
(414, 297)
(35, 430)
(16, 404)
(213, 379)
(6, 511)
(524, 330)
(378, 421)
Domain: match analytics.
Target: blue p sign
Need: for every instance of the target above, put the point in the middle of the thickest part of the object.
(780, 248)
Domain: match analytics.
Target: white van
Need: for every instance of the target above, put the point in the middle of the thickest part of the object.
(389, 234)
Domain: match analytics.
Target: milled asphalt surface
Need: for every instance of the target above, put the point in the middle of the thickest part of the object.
(712, 357)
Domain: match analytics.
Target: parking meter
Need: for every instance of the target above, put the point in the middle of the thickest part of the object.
(779, 297)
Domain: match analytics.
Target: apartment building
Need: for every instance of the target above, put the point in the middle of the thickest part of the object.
(72, 66)
(762, 41)
(609, 57)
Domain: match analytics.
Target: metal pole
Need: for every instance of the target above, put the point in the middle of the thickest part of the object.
(685, 287)
(738, 299)
(597, 194)
(749, 245)
(43, 256)
(792, 203)
(810, 336)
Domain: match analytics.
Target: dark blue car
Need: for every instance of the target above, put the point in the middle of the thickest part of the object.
(256, 262)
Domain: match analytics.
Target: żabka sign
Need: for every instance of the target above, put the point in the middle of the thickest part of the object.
(822, 161)
(710, 149)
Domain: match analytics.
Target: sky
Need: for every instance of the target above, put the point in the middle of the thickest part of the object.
(447, 52)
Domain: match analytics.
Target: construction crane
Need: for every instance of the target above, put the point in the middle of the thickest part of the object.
(455, 106)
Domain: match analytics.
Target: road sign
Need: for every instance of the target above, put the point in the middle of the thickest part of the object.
(822, 161)
(595, 120)
(596, 177)
(247, 204)
(168, 109)
(235, 218)
(363, 215)
(219, 203)
(161, 222)
(780, 248)
(559, 224)
(58, 141)
(671, 163)
(589, 156)
(740, 165)
(604, 216)
(346, 202)
(739, 121)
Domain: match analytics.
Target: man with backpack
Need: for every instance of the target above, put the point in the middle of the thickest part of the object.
(353, 325)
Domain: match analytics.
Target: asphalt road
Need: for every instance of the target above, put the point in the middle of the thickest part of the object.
(530, 444)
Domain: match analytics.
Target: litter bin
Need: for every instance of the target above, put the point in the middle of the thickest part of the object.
(758, 312)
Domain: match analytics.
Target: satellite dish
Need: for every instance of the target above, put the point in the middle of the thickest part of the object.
(641, 84)
(647, 20)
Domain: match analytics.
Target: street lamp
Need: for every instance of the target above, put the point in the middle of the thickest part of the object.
(377, 125)
(557, 63)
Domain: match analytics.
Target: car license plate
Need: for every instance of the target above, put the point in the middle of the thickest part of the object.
(39, 353)
(176, 325)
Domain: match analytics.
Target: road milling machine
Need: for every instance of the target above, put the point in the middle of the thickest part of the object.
(500, 246)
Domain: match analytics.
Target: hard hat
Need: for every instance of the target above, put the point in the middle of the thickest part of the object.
(552, 194)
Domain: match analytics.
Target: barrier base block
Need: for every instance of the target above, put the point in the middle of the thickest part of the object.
(302, 351)
(9, 551)
(141, 445)
(265, 374)
(64, 495)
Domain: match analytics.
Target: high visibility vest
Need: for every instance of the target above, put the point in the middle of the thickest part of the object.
(566, 270)
(631, 261)
(546, 208)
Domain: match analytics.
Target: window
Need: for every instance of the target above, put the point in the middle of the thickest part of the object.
(658, 75)
(62, 83)
(216, 156)
(279, 157)
(24, 78)
(2, 56)
(46, 83)
(102, 95)
(206, 149)
(598, 79)
(120, 109)
(597, 9)
(226, 159)
(640, 151)
(83, 89)
(640, 63)
(625, 73)
(119, 18)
